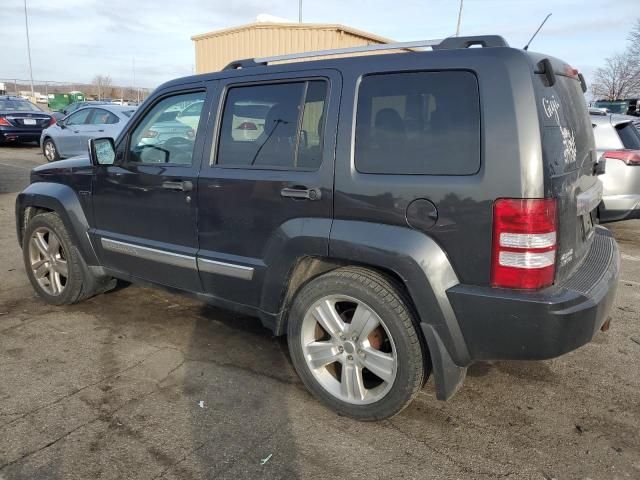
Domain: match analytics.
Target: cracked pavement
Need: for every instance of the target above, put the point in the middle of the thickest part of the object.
(110, 389)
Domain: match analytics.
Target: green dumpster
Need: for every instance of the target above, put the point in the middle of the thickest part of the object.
(57, 101)
(76, 96)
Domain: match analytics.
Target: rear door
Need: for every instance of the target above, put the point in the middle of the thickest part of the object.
(266, 197)
(569, 158)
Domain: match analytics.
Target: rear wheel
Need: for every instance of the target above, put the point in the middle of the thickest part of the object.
(50, 151)
(353, 342)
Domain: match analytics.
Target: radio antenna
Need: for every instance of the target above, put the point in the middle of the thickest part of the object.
(526, 47)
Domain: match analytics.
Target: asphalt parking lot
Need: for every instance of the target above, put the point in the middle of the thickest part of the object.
(143, 384)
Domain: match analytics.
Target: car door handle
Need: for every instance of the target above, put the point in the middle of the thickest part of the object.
(300, 192)
(185, 186)
(76, 131)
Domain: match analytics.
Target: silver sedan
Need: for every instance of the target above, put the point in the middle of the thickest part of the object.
(618, 141)
(68, 137)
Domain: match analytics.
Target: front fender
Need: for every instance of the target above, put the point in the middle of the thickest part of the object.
(427, 273)
(63, 200)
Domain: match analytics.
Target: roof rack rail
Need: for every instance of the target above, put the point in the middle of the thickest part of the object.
(436, 44)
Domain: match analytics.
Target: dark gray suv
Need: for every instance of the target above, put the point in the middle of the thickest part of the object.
(395, 215)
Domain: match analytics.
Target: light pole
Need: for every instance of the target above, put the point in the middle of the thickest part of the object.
(26, 24)
(459, 19)
(300, 12)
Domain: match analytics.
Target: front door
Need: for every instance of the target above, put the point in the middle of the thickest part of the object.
(266, 196)
(144, 204)
(69, 140)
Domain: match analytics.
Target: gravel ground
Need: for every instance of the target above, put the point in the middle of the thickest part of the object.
(110, 388)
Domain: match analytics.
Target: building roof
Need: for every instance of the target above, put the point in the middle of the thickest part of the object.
(296, 26)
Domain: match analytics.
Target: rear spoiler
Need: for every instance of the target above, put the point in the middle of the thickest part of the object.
(550, 70)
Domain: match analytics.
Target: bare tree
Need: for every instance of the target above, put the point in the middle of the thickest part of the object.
(619, 78)
(634, 41)
(103, 85)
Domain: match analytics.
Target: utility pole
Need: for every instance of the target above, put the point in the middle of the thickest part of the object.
(26, 24)
(300, 12)
(459, 19)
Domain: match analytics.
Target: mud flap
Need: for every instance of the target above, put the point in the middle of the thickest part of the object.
(448, 376)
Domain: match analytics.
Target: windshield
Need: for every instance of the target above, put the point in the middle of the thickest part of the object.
(613, 107)
(17, 106)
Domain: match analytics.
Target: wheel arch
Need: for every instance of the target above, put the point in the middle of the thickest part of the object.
(62, 200)
(418, 266)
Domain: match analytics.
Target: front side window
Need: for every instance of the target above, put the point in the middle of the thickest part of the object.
(161, 136)
(422, 123)
(273, 126)
(81, 117)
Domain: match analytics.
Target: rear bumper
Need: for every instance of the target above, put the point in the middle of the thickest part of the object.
(500, 324)
(14, 134)
(619, 207)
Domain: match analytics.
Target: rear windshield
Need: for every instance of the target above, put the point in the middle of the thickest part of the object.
(629, 136)
(18, 106)
(568, 134)
(128, 113)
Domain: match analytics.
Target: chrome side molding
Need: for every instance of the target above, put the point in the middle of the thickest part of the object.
(178, 260)
(227, 269)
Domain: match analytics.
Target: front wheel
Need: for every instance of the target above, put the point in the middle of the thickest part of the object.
(354, 343)
(54, 265)
(50, 151)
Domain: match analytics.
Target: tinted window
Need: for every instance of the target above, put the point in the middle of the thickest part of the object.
(418, 123)
(273, 126)
(103, 117)
(629, 136)
(161, 138)
(81, 117)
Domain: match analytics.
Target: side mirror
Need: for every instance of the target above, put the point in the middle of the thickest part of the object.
(102, 151)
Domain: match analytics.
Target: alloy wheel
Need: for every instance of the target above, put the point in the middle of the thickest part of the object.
(349, 350)
(48, 261)
(50, 151)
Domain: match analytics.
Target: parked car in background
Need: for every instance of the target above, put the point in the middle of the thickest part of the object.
(21, 120)
(69, 136)
(618, 142)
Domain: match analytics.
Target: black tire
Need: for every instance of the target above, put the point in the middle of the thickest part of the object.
(54, 155)
(379, 293)
(79, 284)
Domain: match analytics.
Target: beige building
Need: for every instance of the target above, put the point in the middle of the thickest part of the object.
(214, 50)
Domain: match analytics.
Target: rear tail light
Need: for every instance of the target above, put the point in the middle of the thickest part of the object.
(630, 157)
(4, 122)
(52, 121)
(247, 126)
(150, 134)
(524, 243)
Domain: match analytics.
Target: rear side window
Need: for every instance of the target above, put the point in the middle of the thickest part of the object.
(423, 123)
(103, 117)
(273, 126)
(629, 136)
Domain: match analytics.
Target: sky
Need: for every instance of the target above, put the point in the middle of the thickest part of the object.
(74, 40)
